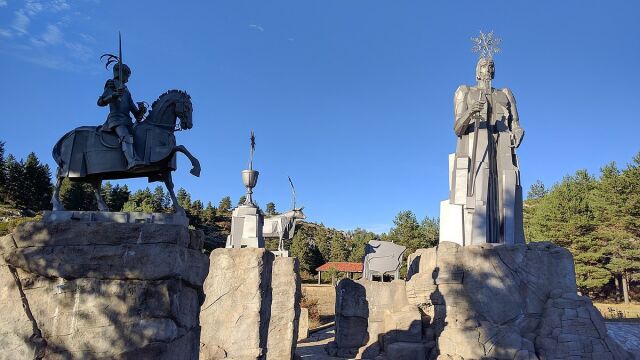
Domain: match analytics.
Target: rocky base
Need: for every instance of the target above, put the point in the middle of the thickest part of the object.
(79, 290)
(475, 302)
(252, 306)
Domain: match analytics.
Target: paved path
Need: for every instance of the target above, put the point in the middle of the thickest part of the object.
(627, 334)
(312, 348)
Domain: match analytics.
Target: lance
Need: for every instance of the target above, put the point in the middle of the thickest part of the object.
(120, 60)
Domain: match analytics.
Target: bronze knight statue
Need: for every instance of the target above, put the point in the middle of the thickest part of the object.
(120, 149)
(118, 97)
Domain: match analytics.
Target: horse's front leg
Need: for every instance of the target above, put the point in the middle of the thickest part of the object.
(168, 181)
(195, 169)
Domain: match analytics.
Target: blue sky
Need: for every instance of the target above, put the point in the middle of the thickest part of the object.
(352, 99)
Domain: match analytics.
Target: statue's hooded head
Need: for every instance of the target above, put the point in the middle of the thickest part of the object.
(485, 69)
(126, 72)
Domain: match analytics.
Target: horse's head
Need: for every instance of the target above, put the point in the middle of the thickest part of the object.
(169, 106)
(184, 110)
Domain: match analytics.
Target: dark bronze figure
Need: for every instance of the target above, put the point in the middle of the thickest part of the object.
(120, 149)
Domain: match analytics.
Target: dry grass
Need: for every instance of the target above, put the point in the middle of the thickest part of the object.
(623, 312)
(312, 305)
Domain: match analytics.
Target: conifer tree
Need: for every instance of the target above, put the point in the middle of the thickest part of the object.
(271, 208)
(2, 174)
(224, 206)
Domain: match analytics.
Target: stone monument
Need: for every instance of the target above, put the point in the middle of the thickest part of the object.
(120, 149)
(247, 220)
(100, 284)
(485, 195)
(482, 293)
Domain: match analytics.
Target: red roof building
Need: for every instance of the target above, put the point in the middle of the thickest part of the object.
(347, 267)
(342, 266)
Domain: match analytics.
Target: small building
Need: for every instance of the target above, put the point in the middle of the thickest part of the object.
(349, 268)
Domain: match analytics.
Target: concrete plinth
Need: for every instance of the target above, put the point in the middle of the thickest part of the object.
(252, 306)
(85, 289)
(246, 228)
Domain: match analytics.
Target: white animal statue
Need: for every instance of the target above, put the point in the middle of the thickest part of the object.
(382, 257)
(282, 226)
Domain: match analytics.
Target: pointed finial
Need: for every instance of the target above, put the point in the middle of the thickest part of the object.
(486, 45)
(252, 149)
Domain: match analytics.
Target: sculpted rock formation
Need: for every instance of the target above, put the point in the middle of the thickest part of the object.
(101, 290)
(252, 305)
(474, 302)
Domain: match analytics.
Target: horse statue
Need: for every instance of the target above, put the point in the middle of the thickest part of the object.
(88, 154)
(381, 258)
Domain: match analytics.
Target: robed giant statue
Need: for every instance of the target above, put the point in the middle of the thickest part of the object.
(485, 170)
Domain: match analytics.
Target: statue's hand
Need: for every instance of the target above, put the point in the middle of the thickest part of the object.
(117, 93)
(477, 107)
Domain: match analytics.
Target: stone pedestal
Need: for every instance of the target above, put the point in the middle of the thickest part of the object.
(252, 306)
(101, 290)
(474, 302)
(246, 228)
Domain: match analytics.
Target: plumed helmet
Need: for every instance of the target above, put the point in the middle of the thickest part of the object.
(113, 59)
(125, 70)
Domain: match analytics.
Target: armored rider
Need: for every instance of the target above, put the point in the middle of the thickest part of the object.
(121, 105)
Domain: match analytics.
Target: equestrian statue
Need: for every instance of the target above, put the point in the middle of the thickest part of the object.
(121, 149)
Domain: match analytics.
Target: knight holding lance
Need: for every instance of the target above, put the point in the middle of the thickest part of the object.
(486, 173)
(121, 105)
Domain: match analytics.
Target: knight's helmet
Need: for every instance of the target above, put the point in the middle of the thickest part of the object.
(125, 70)
(113, 59)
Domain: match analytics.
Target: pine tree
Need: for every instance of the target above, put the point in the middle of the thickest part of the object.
(14, 185)
(271, 208)
(358, 240)
(429, 232)
(159, 200)
(209, 214)
(406, 232)
(196, 212)
(338, 249)
(224, 206)
(3, 177)
(241, 200)
(184, 199)
(537, 191)
(140, 201)
(300, 248)
(37, 189)
(77, 196)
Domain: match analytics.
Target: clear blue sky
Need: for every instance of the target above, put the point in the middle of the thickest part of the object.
(352, 99)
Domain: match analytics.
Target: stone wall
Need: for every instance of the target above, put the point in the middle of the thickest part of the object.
(252, 306)
(484, 301)
(76, 290)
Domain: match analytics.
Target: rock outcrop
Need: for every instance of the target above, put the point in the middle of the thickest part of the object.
(475, 302)
(76, 289)
(252, 306)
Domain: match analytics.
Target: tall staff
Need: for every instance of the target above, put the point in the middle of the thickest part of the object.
(486, 45)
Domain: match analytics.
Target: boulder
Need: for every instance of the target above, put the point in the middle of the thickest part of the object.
(88, 290)
(474, 302)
